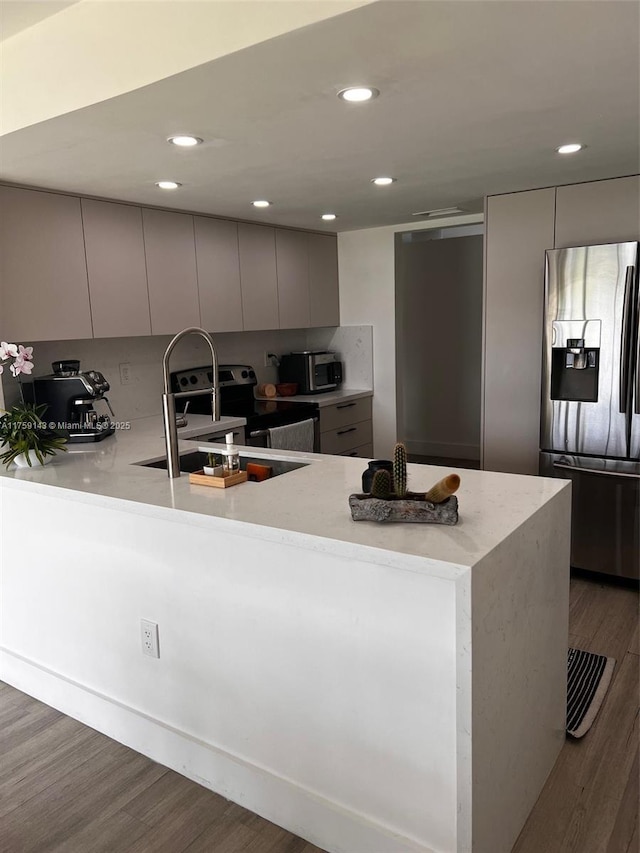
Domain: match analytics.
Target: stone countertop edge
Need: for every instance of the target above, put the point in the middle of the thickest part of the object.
(306, 541)
(326, 398)
(307, 507)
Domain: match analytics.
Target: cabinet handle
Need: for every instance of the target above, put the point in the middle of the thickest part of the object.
(345, 405)
(345, 431)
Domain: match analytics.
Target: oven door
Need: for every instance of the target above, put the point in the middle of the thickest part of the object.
(257, 434)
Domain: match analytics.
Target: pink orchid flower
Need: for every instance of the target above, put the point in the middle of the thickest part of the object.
(9, 350)
(25, 353)
(20, 365)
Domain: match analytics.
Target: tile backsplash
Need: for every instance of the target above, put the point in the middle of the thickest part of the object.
(143, 355)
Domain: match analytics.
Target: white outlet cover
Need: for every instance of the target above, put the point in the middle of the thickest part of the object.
(150, 638)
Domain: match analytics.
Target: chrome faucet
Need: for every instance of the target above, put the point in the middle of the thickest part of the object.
(169, 398)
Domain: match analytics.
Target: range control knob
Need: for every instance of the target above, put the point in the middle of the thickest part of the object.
(193, 379)
(252, 374)
(184, 381)
(245, 374)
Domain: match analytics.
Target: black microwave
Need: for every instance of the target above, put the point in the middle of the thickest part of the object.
(314, 371)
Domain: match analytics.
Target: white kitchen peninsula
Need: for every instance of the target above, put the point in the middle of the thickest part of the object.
(373, 688)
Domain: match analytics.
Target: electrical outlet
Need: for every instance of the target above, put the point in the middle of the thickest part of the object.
(150, 638)
(125, 373)
(267, 360)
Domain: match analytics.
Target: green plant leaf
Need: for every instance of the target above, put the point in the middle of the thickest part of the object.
(23, 429)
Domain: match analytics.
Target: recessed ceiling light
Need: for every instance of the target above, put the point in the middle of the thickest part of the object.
(329, 216)
(168, 185)
(261, 203)
(184, 141)
(382, 182)
(358, 94)
(570, 148)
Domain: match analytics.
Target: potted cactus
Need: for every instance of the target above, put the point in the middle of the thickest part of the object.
(391, 501)
(213, 468)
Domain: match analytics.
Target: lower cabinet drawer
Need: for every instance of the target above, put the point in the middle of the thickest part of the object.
(363, 452)
(345, 413)
(337, 441)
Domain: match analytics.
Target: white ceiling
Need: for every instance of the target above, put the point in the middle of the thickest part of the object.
(18, 15)
(474, 98)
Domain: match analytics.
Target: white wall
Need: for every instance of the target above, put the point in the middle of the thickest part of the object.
(366, 265)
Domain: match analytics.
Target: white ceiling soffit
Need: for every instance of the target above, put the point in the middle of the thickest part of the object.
(18, 15)
(99, 49)
(474, 98)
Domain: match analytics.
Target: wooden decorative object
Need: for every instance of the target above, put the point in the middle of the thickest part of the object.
(199, 478)
(443, 489)
(412, 508)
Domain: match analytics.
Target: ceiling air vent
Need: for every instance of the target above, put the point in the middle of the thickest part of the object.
(443, 211)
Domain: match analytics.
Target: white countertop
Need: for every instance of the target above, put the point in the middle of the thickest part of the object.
(308, 506)
(329, 398)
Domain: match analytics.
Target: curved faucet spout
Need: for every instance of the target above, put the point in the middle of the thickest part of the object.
(169, 398)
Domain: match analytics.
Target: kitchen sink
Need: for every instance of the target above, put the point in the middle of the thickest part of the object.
(195, 461)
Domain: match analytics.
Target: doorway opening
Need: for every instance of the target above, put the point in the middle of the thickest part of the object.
(439, 284)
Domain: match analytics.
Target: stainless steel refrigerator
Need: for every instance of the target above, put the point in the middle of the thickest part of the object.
(590, 414)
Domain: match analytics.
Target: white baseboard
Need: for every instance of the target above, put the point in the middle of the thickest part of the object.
(450, 450)
(324, 823)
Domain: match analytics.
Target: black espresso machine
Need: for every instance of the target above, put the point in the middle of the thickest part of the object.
(70, 396)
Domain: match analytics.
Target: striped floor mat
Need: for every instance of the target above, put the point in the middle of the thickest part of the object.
(589, 676)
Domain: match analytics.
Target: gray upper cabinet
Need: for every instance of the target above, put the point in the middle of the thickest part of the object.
(218, 261)
(43, 274)
(258, 277)
(292, 258)
(116, 267)
(324, 303)
(75, 268)
(598, 212)
(171, 270)
(518, 231)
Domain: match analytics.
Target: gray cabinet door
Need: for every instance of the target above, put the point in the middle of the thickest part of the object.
(218, 261)
(258, 276)
(292, 258)
(171, 270)
(324, 302)
(598, 212)
(116, 268)
(44, 294)
(519, 228)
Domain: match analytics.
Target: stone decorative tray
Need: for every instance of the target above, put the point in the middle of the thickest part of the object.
(412, 508)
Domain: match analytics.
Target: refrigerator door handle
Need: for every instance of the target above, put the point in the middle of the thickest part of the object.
(637, 404)
(595, 471)
(625, 339)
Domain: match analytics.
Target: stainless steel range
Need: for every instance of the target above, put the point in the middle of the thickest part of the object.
(237, 383)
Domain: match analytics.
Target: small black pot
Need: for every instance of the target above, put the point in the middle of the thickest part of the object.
(375, 465)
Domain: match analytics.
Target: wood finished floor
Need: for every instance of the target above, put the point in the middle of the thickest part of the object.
(64, 788)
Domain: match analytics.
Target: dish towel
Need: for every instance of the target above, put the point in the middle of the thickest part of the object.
(297, 436)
